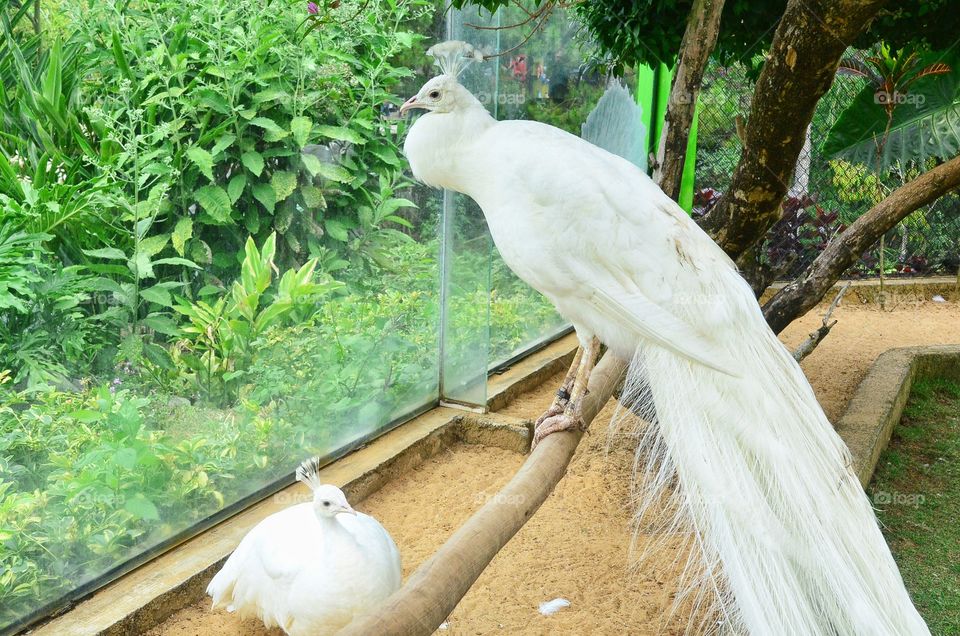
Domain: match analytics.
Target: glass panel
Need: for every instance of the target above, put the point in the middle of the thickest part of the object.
(546, 77)
(212, 264)
(210, 268)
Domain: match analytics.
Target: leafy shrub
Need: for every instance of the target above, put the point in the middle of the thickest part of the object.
(219, 338)
(225, 113)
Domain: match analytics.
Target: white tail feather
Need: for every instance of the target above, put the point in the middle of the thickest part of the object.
(782, 538)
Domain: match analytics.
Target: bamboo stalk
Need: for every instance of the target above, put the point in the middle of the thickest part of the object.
(434, 590)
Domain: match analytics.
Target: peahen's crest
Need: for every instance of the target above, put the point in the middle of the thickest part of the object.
(453, 56)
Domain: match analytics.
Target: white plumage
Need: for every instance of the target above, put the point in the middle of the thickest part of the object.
(736, 450)
(312, 568)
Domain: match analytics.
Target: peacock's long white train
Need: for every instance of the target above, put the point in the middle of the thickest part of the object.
(737, 449)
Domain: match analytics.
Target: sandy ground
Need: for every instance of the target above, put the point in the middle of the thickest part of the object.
(578, 544)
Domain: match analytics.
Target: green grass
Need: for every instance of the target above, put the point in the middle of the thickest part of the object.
(916, 490)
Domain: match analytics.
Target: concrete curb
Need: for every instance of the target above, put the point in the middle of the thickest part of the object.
(878, 403)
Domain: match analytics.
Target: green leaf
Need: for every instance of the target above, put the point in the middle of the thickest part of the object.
(216, 202)
(182, 232)
(265, 194)
(106, 252)
(162, 324)
(236, 186)
(224, 142)
(340, 134)
(157, 294)
(201, 252)
(284, 184)
(251, 220)
(253, 161)
(337, 230)
(203, 160)
(214, 101)
(326, 170)
(273, 131)
(313, 197)
(301, 128)
(386, 155)
(153, 245)
(925, 122)
(142, 508)
(158, 354)
(120, 57)
(141, 265)
(334, 172)
(125, 458)
(86, 415)
(176, 260)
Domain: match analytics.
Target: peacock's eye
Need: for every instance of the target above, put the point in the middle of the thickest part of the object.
(326, 504)
(434, 94)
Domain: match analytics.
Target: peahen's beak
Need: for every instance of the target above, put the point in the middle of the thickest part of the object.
(410, 104)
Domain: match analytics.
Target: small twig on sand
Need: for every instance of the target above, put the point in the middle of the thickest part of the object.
(815, 337)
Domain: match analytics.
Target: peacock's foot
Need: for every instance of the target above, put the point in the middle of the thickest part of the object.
(554, 424)
(555, 409)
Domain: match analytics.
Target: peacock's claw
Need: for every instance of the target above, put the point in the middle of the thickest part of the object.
(555, 409)
(555, 424)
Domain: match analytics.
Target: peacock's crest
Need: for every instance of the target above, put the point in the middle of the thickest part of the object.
(308, 472)
(453, 56)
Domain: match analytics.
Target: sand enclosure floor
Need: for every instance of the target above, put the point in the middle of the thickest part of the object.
(577, 546)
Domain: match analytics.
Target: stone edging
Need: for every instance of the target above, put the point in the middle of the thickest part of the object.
(878, 403)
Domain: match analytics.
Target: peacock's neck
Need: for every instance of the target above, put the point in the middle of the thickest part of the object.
(439, 146)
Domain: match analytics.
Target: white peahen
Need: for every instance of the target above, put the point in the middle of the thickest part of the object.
(737, 450)
(310, 569)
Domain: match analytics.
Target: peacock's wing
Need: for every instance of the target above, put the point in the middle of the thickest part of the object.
(263, 570)
(595, 234)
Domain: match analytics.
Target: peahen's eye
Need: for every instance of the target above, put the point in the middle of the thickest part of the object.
(434, 94)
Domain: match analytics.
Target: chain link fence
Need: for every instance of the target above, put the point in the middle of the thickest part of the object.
(826, 195)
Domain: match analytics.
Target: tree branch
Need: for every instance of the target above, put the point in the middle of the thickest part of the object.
(807, 47)
(806, 291)
(699, 38)
(434, 590)
(816, 337)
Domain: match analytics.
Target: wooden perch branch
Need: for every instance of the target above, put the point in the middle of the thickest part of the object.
(434, 590)
(816, 337)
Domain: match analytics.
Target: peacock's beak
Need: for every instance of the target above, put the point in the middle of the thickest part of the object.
(348, 509)
(409, 105)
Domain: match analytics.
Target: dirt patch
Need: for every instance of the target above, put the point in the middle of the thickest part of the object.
(577, 546)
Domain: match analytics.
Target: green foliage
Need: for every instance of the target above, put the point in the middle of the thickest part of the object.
(219, 336)
(180, 182)
(226, 113)
(89, 480)
(46, 331)
(906, 113)
(650, 32)
(917, 492)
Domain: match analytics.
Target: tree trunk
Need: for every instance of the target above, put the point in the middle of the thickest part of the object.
(799, 296)
(434, 590)
(807, 47)
(699, 38)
